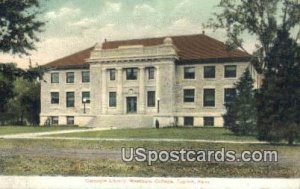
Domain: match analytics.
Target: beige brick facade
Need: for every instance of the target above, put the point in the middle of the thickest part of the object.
(168, 83)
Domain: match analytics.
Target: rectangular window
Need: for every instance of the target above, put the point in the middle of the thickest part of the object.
(112, 99)
(209, 97)
(54, 97)
(229, 95)
(70, 99)
(54, 77)
(188, 95)
(54, 120)
(131, 73)
(209, 121)
(70, 77)
(188, 121)
(112, 74)
(209, 71)
(230, 71)
(85, 76)
(151, 72)
(151, 98)
(189, 73)
(70, 120)
(85, 97)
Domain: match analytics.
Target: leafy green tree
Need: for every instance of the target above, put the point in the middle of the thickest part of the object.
(15, 110)
(241, 113)
(19, 25)
(279, 97)
(259, 18)
(31, 101)
(19, 95)
(8, 74)
(24, 107)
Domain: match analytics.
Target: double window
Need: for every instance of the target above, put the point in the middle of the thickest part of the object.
(209, 121)
(229, 95)
(151, 98)
(209, 97)
(112, 74)
(54, 97)
(131, 73)
(85, 97)
(151, 72)
(112, 99)
(209, 71)
(70, 120)
(85, 76)
(54, 120)
(230, 71)
(70, 77)
(188, 121)
(188, 95)
(189, 73)
(54, 77)
(70, 99)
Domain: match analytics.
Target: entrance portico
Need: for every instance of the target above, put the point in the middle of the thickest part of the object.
(136, 72)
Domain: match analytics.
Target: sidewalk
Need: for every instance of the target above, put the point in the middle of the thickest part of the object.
(43, 136)
(38, 134)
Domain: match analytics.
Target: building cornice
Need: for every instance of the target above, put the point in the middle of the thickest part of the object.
(133, 54)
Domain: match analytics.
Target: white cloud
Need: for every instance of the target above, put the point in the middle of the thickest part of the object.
(182, 4)
(183, 26)
(85, 22)
(62, 12)
(143, 8)
(114, 7)
(113, 22)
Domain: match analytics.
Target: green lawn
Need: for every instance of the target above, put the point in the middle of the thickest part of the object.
(177, 133)
(30, 164)
(83, 158)
(43, 165)
(4, 130)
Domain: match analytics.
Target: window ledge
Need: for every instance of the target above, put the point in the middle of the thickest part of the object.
(189, 105)
(209, 107)
(213, 78)
(230, 78)
(184, 79)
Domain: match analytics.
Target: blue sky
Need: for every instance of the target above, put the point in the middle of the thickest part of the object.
(73, 25)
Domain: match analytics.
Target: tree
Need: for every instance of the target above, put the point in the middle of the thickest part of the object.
(19, 25)
(8, 74)
(19, 95)
(241, 113)
(279, 97)
(261, 18)
(15, 109)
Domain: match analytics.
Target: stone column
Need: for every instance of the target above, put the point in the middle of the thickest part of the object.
(141, 105)
(157, 88)
(104, 91)
(120, 90)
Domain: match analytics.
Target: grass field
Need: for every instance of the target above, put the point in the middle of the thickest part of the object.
(103, 158)
(74, 163)
(173, 133)
(4, 130)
